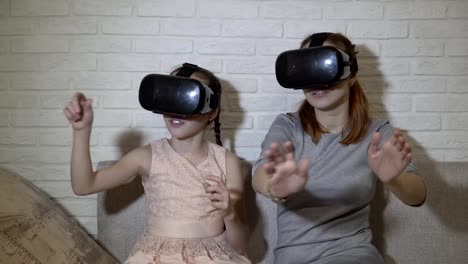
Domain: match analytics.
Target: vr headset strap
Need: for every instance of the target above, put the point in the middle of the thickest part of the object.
(318, 39)
(187, 70)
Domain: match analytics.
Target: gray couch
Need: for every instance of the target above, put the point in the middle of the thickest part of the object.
(434, 233)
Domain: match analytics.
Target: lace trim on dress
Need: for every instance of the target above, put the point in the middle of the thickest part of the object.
(156, 246)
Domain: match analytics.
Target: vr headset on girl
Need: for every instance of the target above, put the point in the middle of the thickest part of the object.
(177, 95)
(315, 67)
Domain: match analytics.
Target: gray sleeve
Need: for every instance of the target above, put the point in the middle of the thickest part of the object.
(386, 131)
(281, 130)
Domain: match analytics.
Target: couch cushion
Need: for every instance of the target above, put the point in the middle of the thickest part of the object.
(433, 233)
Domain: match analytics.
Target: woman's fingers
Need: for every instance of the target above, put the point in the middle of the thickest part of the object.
(303, 169)
(288, 150)
(271, 151)
(269, 167)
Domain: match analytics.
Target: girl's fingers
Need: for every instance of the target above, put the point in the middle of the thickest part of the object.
(213, 178)
(76, 102)
(214, 189)
(68, 114)
(75, 116)
(219, 205)
(216, 197)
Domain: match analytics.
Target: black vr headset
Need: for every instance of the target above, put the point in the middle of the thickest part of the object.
(315, 67)
(177, 95)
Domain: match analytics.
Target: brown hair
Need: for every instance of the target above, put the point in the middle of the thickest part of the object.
(359, 117)
(213, 82)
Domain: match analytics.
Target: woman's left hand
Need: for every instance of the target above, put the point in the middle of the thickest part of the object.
(391, 159)
(219, 194)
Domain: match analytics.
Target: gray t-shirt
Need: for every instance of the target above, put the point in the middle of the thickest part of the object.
(328, 222)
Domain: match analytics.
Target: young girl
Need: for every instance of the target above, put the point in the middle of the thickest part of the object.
(193, 188)
(321, 165)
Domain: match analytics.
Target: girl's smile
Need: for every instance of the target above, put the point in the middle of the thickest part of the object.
(175, 123)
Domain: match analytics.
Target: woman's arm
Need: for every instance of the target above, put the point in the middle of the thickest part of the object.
(260, 181)
(281, 175)
(389, 163)
(409, 188)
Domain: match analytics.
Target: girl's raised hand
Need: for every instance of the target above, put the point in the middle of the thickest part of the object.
(218, 193)
(79, 111)
(285, 175)
(389, 160)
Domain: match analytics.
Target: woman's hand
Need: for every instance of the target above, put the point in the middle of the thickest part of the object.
(285, 175)
(391, 159)
(218, 194)
(79, 112)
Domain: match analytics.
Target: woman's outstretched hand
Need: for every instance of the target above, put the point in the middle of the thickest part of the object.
(286, 176)
(389, 160)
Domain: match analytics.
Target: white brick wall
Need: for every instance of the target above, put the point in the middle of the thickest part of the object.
(412, 54)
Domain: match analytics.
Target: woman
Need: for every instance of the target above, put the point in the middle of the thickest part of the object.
(321, 165)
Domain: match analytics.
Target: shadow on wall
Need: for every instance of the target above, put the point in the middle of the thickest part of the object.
(122, 196)
(231, 103)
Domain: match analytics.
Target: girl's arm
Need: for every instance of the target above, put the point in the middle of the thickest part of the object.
(235, 221)
(85, 181)
(79, 113)
(230, 199)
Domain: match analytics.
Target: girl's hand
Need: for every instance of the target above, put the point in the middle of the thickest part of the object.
(286, 175)
(79, 112)
(391, 159)
(219, 194)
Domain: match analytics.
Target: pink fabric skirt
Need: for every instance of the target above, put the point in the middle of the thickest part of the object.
(152, 249)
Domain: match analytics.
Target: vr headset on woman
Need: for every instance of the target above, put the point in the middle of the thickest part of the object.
(315, 67)
(177, 95)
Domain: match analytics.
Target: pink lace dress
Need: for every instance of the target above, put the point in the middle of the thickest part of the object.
(181, 225)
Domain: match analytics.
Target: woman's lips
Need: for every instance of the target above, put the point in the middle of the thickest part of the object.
(320, 93)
